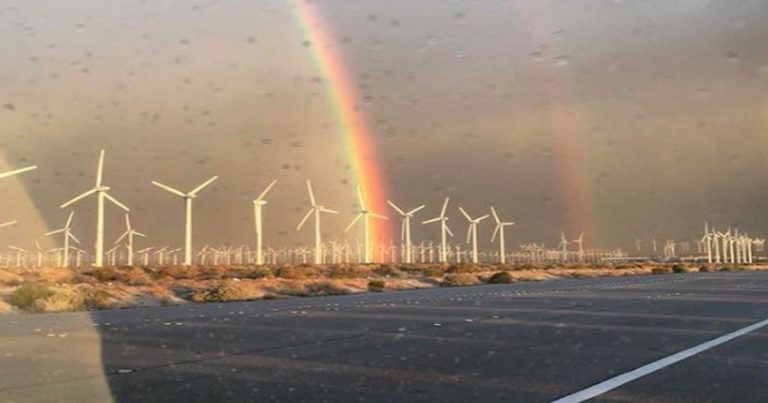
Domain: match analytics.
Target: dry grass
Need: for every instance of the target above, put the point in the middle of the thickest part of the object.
(460, 280)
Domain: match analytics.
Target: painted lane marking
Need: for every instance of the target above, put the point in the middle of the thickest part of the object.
(630, 376)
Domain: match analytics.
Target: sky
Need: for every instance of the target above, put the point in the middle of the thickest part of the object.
(623, 119)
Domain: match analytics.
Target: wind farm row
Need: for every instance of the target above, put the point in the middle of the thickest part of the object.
(714, 247)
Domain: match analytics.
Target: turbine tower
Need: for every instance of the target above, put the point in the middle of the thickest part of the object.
(405, 228)
(444, 231)
(365, 214)
(128, 235)
(472, 232)
(316, 209)
(499, 230)
(67, 231)
(258, 204)
(580, 241)
(188, 197)
(101, 193)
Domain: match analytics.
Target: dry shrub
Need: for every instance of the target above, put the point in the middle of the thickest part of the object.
(135, 276)
(24, 296)
(459, 280)
(326, 288)
(464, 268)
(252, 272)
(706, 269)
(76, 298)
(228, 290)
(211, 272)
(661, 270)
(297, 272)
(678, 268)
(345, 271)
(502, 277)
(433, 271)
(293, 289)
(5, 308)
(103, 274)
(389, 271)
(179, 272)
(8, 278)
(377, 285)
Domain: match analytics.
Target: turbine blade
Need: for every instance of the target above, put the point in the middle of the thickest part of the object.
(311, 193)
(469, 234)
(417, 209)
(354, 221)
(482, 218)
(125, 234)
(327, 210)
(137, 233)
(169, 189)
(74, 238)
(495, 232)
(202, 186)
(117, 203)
(445, 207)
(464, 213)
(17, 171)
(100, 169)
(432, 220)
(399, 211)
(448, 230)
(78, 198)
(360, 198)
(128, 222)
(383, 217)
(495, 215)
(264, 193)
(58, 231)
(69, 219)
(306, 217)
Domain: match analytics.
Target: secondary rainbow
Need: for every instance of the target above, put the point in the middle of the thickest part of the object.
(359, 144)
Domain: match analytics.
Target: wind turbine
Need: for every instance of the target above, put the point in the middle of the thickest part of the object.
(580, 241)
(365, 214)
(101, 192)
(188, 197)
(563, 246)
(67, 231)
(405, 228)
(499, 230)
(258, 204)
(472, 232)
(129, 234)
(444, 231)
(316, 209)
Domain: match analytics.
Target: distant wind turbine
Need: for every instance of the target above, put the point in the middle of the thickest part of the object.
(258, 204)
(472, 232)
(499, 230)
(316, 209)
(188, 197)
(405, 228)
(67, 231)
(365, 214)
(444, 231)
(101, 192)
(128, 235)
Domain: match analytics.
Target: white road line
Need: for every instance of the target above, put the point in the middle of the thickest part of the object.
(630, 376)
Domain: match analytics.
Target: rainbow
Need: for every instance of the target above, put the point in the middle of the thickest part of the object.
(358, 142)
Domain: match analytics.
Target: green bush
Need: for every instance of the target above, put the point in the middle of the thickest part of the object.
(24, 296)
(376, 285)
(502, 277)
(706, 269)
(227, 290)
(680, 269)
(463, 268)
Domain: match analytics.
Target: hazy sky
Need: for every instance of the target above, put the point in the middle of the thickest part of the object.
(625, 118)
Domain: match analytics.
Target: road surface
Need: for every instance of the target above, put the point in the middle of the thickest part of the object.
(526, 342)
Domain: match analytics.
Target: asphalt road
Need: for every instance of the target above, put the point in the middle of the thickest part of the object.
(526, 342)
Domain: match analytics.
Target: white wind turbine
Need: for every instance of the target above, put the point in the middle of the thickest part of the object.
(101, 192)
(128, 235)
(316, 209)
(188, 197)
(472, 232)
(258, 204)
(580, 241)
(499, 230)
(405, 229)
(365, 214)
(444, 231)
(67, 231)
